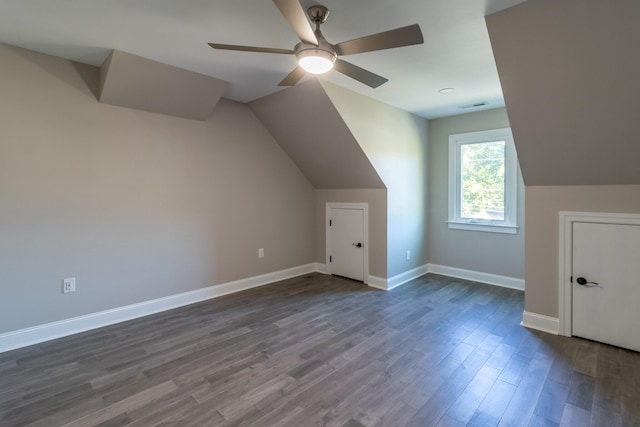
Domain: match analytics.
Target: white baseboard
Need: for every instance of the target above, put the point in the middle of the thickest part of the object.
(397, 280)
(377, 282)
(37, 334)
(407, 276)
(541, 322)
(477, 276)
(321, 268)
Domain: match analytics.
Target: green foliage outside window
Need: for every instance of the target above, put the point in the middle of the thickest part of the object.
(483, 180)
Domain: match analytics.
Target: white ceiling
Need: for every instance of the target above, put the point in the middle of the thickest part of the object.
(456, 53)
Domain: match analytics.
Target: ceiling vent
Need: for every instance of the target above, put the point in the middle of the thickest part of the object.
(474, 105)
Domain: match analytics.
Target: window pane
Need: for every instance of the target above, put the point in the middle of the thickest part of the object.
(482, 190)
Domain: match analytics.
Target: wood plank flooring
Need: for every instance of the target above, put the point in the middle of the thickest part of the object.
(320, 350)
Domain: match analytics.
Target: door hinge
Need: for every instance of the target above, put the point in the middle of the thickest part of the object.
(330, 223)
(330, 258)
(571, 279)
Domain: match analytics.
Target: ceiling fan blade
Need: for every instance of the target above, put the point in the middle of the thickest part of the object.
(297, 19)
(405, 36)
(250, 48)
(359, 74)
(293, 77)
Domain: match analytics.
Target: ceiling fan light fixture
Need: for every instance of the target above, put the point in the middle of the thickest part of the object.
(316, 61)
(316, 55)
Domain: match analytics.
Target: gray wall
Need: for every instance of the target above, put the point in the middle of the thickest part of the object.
(396, 144)
(138, 205)
(135, 205)
(501, 254)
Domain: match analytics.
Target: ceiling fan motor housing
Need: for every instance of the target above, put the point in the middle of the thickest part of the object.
(318, 14)
(324, 49)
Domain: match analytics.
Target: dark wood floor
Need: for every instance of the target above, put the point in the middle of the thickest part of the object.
(324, 351)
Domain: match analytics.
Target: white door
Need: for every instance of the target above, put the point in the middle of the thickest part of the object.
(346, 240)
(606, 283)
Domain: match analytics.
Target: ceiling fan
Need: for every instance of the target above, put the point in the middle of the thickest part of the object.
(316, 55)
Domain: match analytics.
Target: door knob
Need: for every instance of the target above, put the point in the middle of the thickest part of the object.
(357, 245)
(584, 282)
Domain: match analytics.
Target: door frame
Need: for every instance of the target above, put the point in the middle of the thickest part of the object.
(364, 207)
(565, 261)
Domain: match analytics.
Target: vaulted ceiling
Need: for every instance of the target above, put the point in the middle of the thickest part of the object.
(316, 137)
(456, 53)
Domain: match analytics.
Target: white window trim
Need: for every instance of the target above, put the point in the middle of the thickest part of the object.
(510, 223)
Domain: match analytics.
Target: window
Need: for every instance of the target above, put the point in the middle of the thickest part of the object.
(483, 171)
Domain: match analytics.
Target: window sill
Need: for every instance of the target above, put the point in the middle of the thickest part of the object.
(489, 228)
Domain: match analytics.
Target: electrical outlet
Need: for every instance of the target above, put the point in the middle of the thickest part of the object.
(408, 255)
(68, 285)
(261, 253)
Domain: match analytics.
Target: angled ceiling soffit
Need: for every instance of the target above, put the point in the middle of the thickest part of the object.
(569, 74)
(131, 81)
(306, 124)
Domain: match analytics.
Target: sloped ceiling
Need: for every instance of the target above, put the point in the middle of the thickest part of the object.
(135, 82)
(456, 52)
(306, 124)
(570, 73)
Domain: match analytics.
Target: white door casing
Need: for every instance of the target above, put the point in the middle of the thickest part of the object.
(598, 241)
(347, 240)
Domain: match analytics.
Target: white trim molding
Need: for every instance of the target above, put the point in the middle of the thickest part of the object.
(40, 333)
(407, 276)
(459, 273)
(540, 322)
(478, 276)
(321, 268)
(377, 282)
(397, 280)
